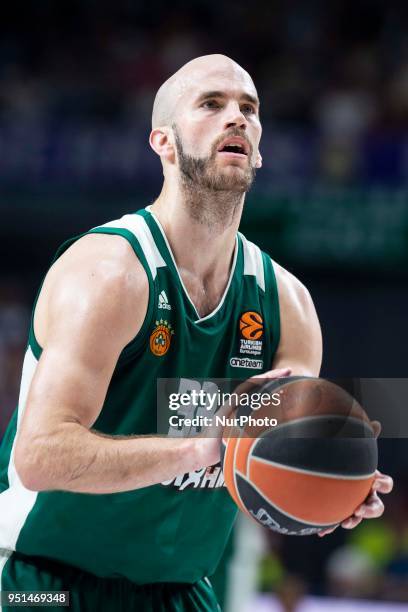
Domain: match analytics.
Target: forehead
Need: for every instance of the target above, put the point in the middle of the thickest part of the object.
(229, 79)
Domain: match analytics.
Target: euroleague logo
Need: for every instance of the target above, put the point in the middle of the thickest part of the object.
(251, 325)
(160, 338)
(251, 329)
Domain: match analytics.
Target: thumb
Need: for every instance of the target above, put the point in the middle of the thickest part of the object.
(376, 425)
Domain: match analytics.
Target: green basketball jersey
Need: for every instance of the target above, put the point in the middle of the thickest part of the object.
(175, 531)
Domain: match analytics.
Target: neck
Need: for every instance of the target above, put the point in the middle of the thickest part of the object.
(214, 211)
(200, 226)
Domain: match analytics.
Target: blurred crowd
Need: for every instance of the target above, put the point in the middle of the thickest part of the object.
(368, 563)
(14, 324)
(341, 66)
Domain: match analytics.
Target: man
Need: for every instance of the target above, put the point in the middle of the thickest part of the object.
(91, 502)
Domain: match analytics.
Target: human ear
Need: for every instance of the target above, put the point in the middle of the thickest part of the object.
(162, 144)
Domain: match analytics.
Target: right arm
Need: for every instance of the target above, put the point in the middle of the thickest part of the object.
(93, 302)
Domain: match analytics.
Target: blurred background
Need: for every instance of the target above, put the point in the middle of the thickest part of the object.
(77, 81)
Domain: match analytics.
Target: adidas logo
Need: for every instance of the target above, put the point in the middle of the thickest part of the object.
(163, 301)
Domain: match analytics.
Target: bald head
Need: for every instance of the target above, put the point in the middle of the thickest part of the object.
(188, 77)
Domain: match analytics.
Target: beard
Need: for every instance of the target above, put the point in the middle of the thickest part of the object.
(202, 173)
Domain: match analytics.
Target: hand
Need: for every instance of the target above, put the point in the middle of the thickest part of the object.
(209, 441)
(373, 506)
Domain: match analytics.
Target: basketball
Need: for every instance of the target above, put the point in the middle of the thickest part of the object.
(312, 468)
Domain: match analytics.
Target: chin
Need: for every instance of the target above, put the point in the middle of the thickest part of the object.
(232, 177)
(232, 181)
(232, 170)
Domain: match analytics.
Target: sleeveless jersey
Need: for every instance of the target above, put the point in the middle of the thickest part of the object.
(170, 532)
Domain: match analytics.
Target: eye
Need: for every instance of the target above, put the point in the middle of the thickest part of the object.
(248, 109)
(211, 104)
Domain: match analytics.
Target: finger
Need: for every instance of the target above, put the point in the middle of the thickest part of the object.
(382, 483)
(259, 379)
(351, 522)
(376, 425)
(247, 386)
(373, 507)
(272, 374)
(325, 532)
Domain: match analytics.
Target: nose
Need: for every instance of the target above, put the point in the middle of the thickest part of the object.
(235, 117)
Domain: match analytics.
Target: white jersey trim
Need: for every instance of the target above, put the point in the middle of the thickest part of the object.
(16, 502)
(232, 272)
(139, 228)
(253, 262)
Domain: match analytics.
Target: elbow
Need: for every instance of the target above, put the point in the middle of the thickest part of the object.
(28, 469)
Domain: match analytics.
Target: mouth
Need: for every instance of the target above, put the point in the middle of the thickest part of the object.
(234, 147)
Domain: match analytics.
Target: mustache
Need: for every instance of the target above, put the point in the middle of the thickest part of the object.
(232, 132)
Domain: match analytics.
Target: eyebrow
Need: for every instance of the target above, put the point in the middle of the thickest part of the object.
(220, 94)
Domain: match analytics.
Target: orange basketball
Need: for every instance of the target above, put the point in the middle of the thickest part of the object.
(311, 470)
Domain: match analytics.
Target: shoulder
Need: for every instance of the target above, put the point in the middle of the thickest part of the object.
(104, 263)
(293, 294)
(98, 277)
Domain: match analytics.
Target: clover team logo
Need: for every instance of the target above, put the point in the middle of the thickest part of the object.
(160, 338)
(251, 325)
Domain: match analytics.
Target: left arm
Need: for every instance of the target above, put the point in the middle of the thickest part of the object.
(300, 346)
(300, 349)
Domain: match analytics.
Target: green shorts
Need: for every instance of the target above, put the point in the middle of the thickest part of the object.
(89, 593)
